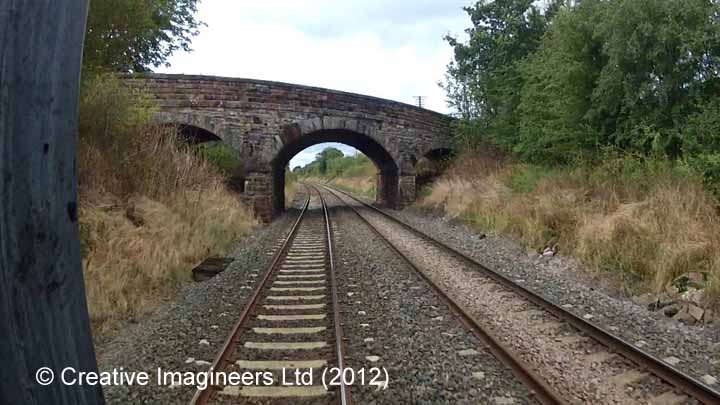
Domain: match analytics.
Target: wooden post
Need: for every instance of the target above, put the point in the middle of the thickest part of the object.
(43, 315)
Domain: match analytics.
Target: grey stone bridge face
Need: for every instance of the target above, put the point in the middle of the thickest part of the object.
(269, 122)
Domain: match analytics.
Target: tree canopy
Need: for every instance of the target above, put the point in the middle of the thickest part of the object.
(578, 77)
(483, 80)
(137, 35)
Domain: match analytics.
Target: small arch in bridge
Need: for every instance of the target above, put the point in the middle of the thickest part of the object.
(439, 154)
(387, 189)
(194, 135)
(432, 164)
(189, 134)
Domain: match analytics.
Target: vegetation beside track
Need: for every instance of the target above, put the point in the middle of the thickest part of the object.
(592, 126)
(150, 207)
(648, 222)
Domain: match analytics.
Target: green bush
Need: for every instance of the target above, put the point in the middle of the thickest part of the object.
(707, 165)
(223, 157)
(110, 112)
(112, 135)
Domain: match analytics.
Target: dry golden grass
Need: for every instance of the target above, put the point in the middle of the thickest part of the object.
(290, 192)
(132, 265)
(150, 208)
(672, 231)
(138, 248)
(651, 227)
(362, 185)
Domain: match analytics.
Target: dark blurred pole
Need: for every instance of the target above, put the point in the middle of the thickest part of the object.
(43, 315)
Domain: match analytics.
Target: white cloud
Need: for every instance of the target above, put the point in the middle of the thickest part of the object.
(388, 49)
(308, 154)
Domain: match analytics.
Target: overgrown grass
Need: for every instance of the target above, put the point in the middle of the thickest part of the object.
(364, 185)
(290, 192)
(150, 207)
(651, 221)
(360, 177)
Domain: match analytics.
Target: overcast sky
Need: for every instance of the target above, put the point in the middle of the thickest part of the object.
(385, 48)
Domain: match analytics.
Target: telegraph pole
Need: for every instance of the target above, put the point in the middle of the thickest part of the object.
(420, 101)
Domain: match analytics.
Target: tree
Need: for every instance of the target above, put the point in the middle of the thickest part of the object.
(634, 75)
(663, 57)
(136, 35)
(329, 154)
(43, 315)
(701, 143)
(325, 156)
(484, 81)
(558, 79)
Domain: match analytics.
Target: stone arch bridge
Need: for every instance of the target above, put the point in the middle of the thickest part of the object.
(269, 122)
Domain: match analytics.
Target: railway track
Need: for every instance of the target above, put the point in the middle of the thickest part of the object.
(291, 322)
(615, 370)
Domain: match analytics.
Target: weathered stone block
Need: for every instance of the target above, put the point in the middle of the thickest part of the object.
(407, 190)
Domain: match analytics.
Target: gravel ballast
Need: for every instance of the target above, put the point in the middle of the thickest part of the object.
(565, 282)
(185, 335)
(557, 353)
(391, 320)
(394, 320)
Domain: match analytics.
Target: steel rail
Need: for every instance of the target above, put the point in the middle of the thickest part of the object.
(537, 387)
(344, 397)
(689, 385)
(221, 360)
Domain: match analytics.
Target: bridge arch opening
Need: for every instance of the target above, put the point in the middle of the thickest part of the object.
(387, 168)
